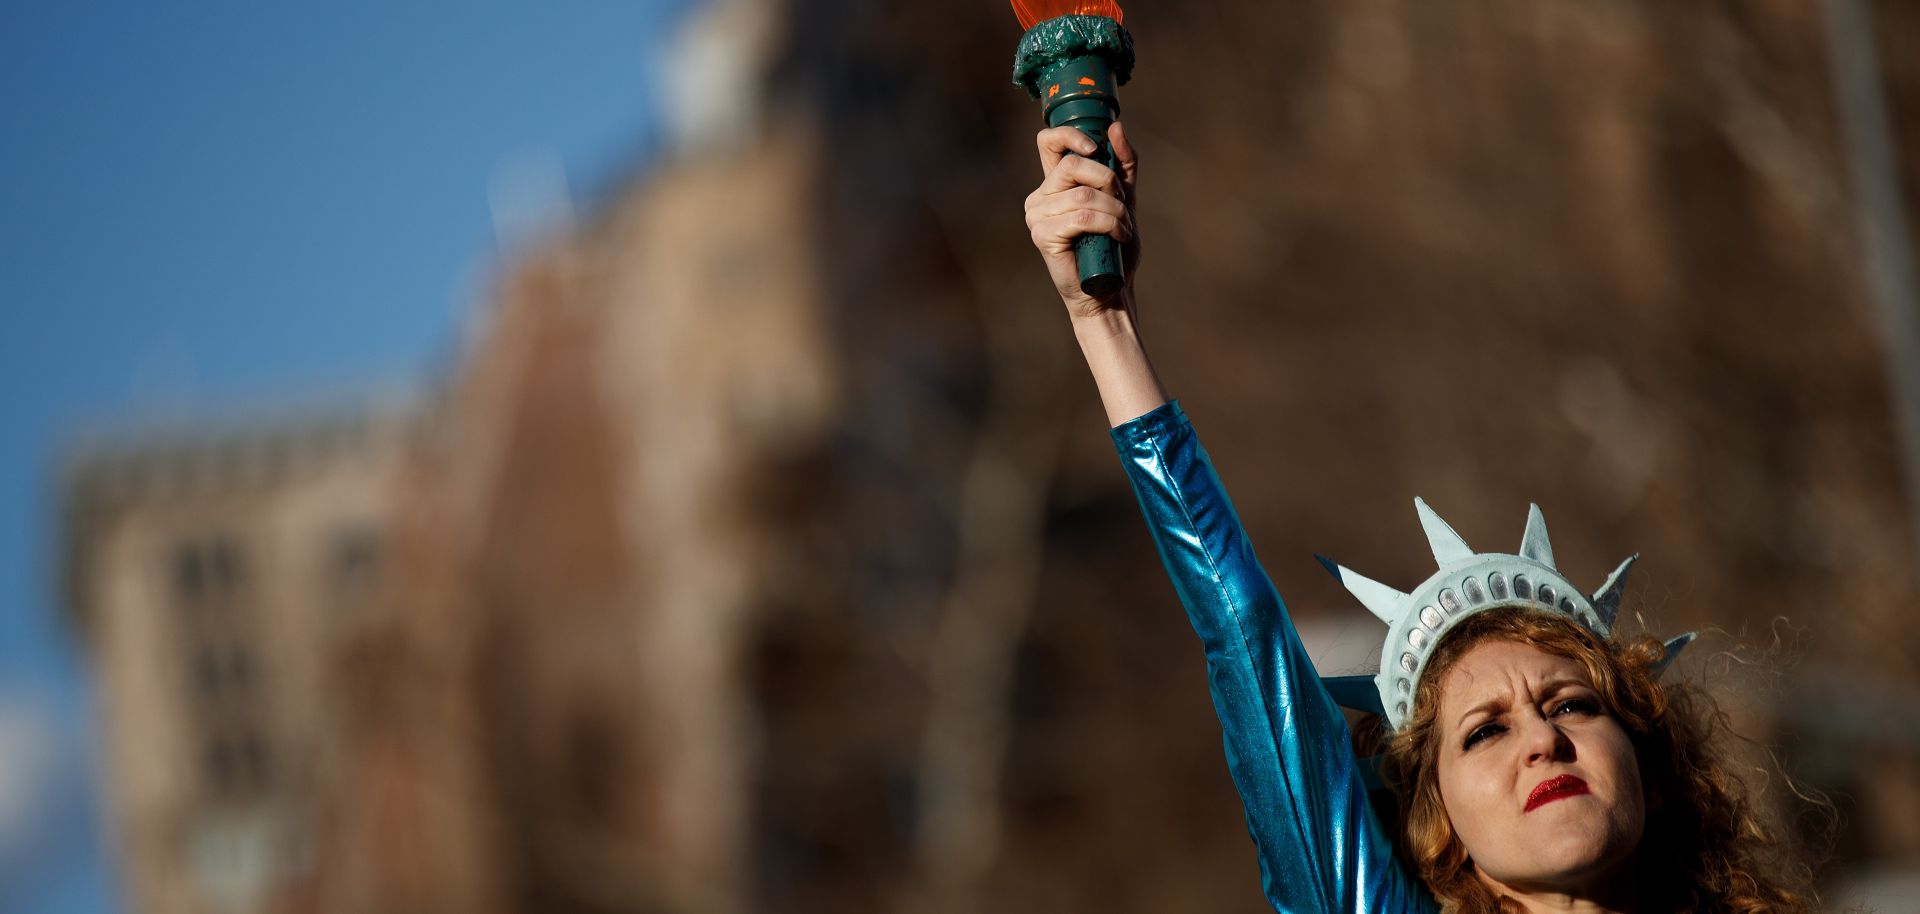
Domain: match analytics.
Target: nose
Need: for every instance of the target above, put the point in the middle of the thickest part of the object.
(1544, 741)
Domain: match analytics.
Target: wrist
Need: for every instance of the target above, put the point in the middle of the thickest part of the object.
(1112, 317)
(1104, 329)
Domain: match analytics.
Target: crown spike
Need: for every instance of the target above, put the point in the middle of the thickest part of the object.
(1383, 601)
(1447, 545)
(1534, 544)
(1674, 644)
(1606, 600)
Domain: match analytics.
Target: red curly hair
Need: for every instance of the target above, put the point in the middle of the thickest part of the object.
(1705, 848)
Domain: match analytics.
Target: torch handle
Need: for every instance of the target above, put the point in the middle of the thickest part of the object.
(1079, 94)
(1102, 272)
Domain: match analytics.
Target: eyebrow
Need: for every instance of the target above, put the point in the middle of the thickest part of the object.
(1550, 687)
(1488, 705)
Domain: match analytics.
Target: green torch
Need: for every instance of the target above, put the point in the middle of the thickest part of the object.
(1072, 56)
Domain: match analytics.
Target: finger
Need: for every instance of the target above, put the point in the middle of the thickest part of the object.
(1058, 232)
(1083, 197)
(1129, 157)
(1055, 142)
(1075, 171)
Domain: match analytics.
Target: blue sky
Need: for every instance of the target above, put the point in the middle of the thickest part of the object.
(238, 204)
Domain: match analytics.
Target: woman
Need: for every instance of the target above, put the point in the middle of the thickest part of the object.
(1538, 763)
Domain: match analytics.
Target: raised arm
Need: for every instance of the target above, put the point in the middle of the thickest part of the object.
(1081, 196)
(1320, 847)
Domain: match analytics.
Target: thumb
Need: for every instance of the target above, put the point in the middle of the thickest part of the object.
(1124, 152)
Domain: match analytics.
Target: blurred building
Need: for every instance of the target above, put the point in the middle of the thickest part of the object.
(561, 717)
(212, 569)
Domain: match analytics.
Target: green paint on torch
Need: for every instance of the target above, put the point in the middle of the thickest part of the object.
(1055, 41)
(1071, 64)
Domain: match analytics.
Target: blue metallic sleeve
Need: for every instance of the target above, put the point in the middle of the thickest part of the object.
(1321, 849)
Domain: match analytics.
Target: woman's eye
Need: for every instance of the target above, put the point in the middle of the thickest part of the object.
(1482, 732)
(1582, 706)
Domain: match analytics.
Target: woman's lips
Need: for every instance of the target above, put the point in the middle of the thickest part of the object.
(1556, 788)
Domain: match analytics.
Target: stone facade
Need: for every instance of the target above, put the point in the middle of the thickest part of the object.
(214, 569)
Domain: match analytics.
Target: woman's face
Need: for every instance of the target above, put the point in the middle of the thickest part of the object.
(1539, 781)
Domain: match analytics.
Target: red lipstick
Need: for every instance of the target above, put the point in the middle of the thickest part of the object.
(1555, 788)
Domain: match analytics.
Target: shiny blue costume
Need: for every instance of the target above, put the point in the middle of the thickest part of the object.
(1321, 849)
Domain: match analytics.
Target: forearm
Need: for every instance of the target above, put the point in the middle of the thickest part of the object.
(1122, 371)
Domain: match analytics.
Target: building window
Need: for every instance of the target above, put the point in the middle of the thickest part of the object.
(353, 565)
(223, 567)
(189, 574)
(206, 671)
(253, 759)
(207, 571)
(222, 672)
(237, 762)
(222, 767)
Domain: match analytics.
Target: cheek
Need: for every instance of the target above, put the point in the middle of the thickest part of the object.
(1623, 765)
(1472, 794)
(1604, 746)
(1608, 754)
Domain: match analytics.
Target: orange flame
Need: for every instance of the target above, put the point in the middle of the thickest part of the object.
(1034, 12)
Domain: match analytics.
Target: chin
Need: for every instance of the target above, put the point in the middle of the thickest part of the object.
(1568, 851)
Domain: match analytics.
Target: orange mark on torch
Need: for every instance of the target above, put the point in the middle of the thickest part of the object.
(1053, 90)
(1087, 81)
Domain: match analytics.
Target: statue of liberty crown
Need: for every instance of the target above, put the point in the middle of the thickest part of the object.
(1468, 582)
